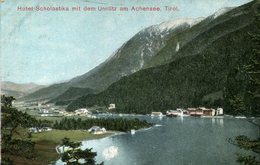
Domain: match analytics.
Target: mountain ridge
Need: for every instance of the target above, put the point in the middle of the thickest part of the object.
(129, 58)
(188, 79)
(18, 89)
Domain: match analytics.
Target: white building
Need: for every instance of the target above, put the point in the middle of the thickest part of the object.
(157, 114)
(68, 114)
(45, 111)
(46, 114)
(112, 106)
(220, 111)
(36, 129)
(97, 130)
(82, 111)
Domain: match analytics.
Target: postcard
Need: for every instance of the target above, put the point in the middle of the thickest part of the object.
(132, 82)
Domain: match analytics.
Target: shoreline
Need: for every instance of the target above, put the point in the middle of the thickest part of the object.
(110, 134)
(45, 148)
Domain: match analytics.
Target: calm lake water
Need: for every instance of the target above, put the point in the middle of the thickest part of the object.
(180, 141)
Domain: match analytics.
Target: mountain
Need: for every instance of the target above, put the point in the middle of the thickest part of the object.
(203, 72)
(131, 57)
(72, 94)
(16, 94)
(183, 39)
(18, 90)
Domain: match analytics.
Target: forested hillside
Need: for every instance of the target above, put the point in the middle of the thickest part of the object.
(202, 77)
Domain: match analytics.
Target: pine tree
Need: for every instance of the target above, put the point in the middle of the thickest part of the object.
(252, 70)
(12, 120)
(242, 92)
(74, 155)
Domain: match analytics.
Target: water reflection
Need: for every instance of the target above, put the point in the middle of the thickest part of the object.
(221, 122)
(213, 120)
(181, 117)
(217, 121)
(157, 117)
(171, 139)
(110, 152)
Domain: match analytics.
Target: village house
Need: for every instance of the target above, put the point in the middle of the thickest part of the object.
(156, 114)
(220, 112)
(33, 129)
(178, 112)
(195, 111)
(209, 112)
(172, 113)
(82, 112)
(202, 111)
(37, 130)
(112, 106)
(46, 112)
(97, 130)
(68, 114)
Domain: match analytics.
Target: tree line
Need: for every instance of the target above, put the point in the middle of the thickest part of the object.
(242, 93)
(117, 124)
(233, 70)
(248, 144)
(12, 141)
(75, 155)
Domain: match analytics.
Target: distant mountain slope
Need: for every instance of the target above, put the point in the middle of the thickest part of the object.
(16, 94)
(18, 90)
(180, 40)
(199, 70)
(72, 94)
(129, 58)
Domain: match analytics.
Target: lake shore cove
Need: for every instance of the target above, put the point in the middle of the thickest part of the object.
(46, 142)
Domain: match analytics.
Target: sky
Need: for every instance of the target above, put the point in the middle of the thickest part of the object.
(46, 47)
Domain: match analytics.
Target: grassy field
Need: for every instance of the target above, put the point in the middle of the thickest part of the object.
(55, 136)
(46, 142)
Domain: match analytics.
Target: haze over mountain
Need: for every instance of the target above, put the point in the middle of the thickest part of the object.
(129, 58)
(18, 90)
(198, 72)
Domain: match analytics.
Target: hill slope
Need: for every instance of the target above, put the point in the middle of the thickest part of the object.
(129, 58)
(182, 39)
(200, 69)
(18, 90)
(72, 94)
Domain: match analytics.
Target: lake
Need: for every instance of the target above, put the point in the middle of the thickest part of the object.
(187, 140)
